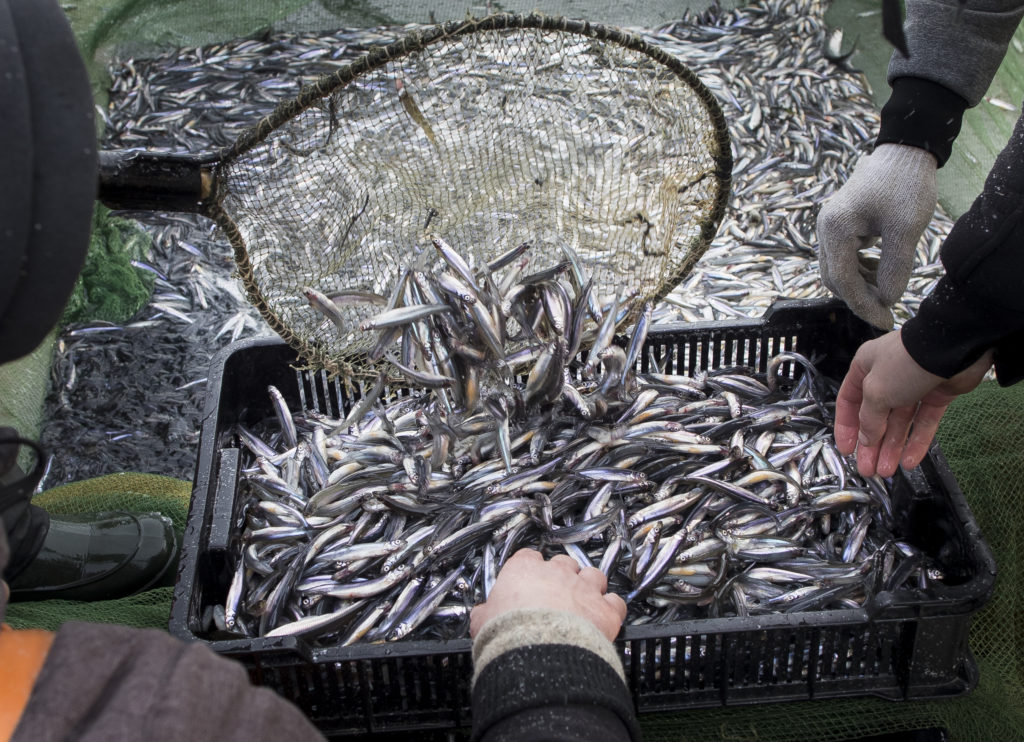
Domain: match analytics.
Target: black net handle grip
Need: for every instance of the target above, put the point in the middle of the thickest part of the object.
(156, 181)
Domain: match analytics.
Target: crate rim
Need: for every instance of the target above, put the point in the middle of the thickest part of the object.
(899, 606)
(960, 600)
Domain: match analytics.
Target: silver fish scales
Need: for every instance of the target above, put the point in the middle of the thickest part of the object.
(712, 495)
(797, 123)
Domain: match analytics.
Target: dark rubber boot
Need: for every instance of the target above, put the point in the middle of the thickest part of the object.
(100, 556)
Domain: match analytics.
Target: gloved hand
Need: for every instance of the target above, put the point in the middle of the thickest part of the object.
(891, 194)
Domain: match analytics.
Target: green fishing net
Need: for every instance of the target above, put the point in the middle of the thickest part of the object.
(110, 287)
(23, 386)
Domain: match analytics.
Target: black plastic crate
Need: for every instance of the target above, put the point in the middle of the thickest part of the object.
(899, 648)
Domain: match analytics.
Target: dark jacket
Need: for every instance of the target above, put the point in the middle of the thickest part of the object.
(955, 49)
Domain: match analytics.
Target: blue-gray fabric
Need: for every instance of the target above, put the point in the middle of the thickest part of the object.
(959, 46)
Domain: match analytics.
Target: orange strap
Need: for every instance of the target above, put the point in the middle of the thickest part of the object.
(22, 654)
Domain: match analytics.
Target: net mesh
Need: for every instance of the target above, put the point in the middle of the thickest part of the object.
(488, 134)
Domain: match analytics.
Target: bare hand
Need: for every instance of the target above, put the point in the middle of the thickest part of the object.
(886, 396)
(527, 581)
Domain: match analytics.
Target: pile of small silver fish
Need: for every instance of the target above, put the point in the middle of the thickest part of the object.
(797, 122)
(527, 425)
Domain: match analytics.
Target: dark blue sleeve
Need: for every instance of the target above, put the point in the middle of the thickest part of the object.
(552, 692)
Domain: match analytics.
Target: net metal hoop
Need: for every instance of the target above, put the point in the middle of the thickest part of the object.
(419, 41)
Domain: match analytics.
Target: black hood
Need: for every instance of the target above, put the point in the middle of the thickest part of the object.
(47, 170)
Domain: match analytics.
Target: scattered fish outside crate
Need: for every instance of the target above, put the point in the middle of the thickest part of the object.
(797, 124)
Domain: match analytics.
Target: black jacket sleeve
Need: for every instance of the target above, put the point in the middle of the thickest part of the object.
(548, 676)
(924, 114)
(979, 303)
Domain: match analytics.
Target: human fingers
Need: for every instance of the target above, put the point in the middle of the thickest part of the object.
(895, 438)
(610, 619)
(609, 616)
(595, 578)
(521, 562)
(905, 218)
(864, 302)
(867, 460)
(926, 424)
(839, 246)
(526, 554)
(565, 562)
(847, 424)
(618, 606)
(895, 265)
(842, 236)
(477, 618)
(873, 415)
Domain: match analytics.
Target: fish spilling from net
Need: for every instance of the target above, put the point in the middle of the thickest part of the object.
(797, 124)
(527, 422)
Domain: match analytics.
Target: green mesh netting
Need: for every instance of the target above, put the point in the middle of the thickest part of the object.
(23, 386)
(139, 493)
(148, 610)
(110, 288)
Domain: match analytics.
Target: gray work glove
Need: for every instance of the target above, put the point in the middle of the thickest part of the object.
(891, 194)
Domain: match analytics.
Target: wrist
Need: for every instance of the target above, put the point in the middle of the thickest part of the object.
(905, 158)
(946, 336)
(921, 113)
(534, 684)
(539, 626)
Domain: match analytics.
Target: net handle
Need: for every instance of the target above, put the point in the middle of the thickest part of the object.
(151, 181)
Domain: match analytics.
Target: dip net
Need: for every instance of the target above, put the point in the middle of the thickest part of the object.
(558, 134)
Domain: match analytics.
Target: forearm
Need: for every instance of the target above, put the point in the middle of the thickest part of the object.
(954, 54)
(979, 303)
(551, 675)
